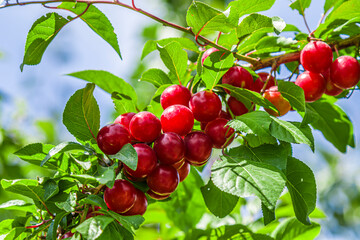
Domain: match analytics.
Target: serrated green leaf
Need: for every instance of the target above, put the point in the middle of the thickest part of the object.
(115, 231)
(106, 175)
(277, 43)
(302, 187)
(82, 115)
(294, 94)
(42, 32)
(18, 205)
(94, 200)
(347, 10)
(129, 222)
(123, 103)
(292, 229)
(51, 188)
(300, 6)
(247, 178)
(156, 76)
(93, 227)
(240, 8)
(252, 23)
(53, 229)
(256, 125)
(174, 58)
(292, 132)
(26, 187)
(332, 3)
(70, 203)
(204, 19)
(186, 43)
(65, 147)
(218, 202)
(128, 156)
(96, 20)
(215, 66)
(333, 122)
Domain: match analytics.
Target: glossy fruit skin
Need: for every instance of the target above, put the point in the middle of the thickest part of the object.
(121, 197)
(184, 171)
(225, 115)
(169, 148)
(313, 85)
(111, 138)
(178, 119)
(157, 196)
(124, 119)
(175, 94)
(145, 127)
(274, 96)
(316, 57)
(179, 164)
(198, 147)
(237, 107)
(147, 161)
(205, 105)
(238, 77)
(260, 82)
(163, 180)
(207, 53)
(345, 72)
(220, 135)
(140, 205)
(330, 88)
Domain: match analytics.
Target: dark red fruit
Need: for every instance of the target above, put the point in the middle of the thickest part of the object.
(274, 96)
(179, 164)
(207, 53)
(145, 127)
(163, 180)
(260, 81)
(184, 171)
(67, 235)
(91, 212)
(157, 196)
(220, 135)
(146, 161)
(124, 119)
(225, 115)
(237, 107)
(178, 119)
(330, 89)
(175, 94)
(238, 77)
(198, 147)
(121, 197)
(196, 164)
(140, 205)
(205, 105)
(169, 148)
(112, 138)
(203, 125)
(313, 85)
(316, 57)
(345, 72)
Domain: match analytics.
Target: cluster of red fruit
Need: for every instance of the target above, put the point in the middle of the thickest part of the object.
(166, 147)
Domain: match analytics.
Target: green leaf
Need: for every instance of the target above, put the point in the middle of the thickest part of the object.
(129, 222)
(252, 23)
(53, 229)
(42, 32)
(247, 96)
(247, 178)
(269, 215)
(347, 10)
(116, 231)
(156, 76)
(240, 8)
(218, 202)
(70, 203)
(123, 103)
(94, 200)
(93, 227)
(174, 58)
(110, 83)
(215, 66)
(275, 155)
(292, 229)
(292, 132)
(279, 24)
(300, 6)
(51, 188)
(65, 147)
(333, 122)
(128, 156)
(18, 205)
(96, 20)
(332, 3)
(186, 43)
(256, 125)
(302, 187)
(294, 94)
(155, 106)
(204, 19)
(82, 115)
(106, 175)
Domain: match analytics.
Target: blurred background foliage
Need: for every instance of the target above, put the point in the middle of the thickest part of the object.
(337, 174)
